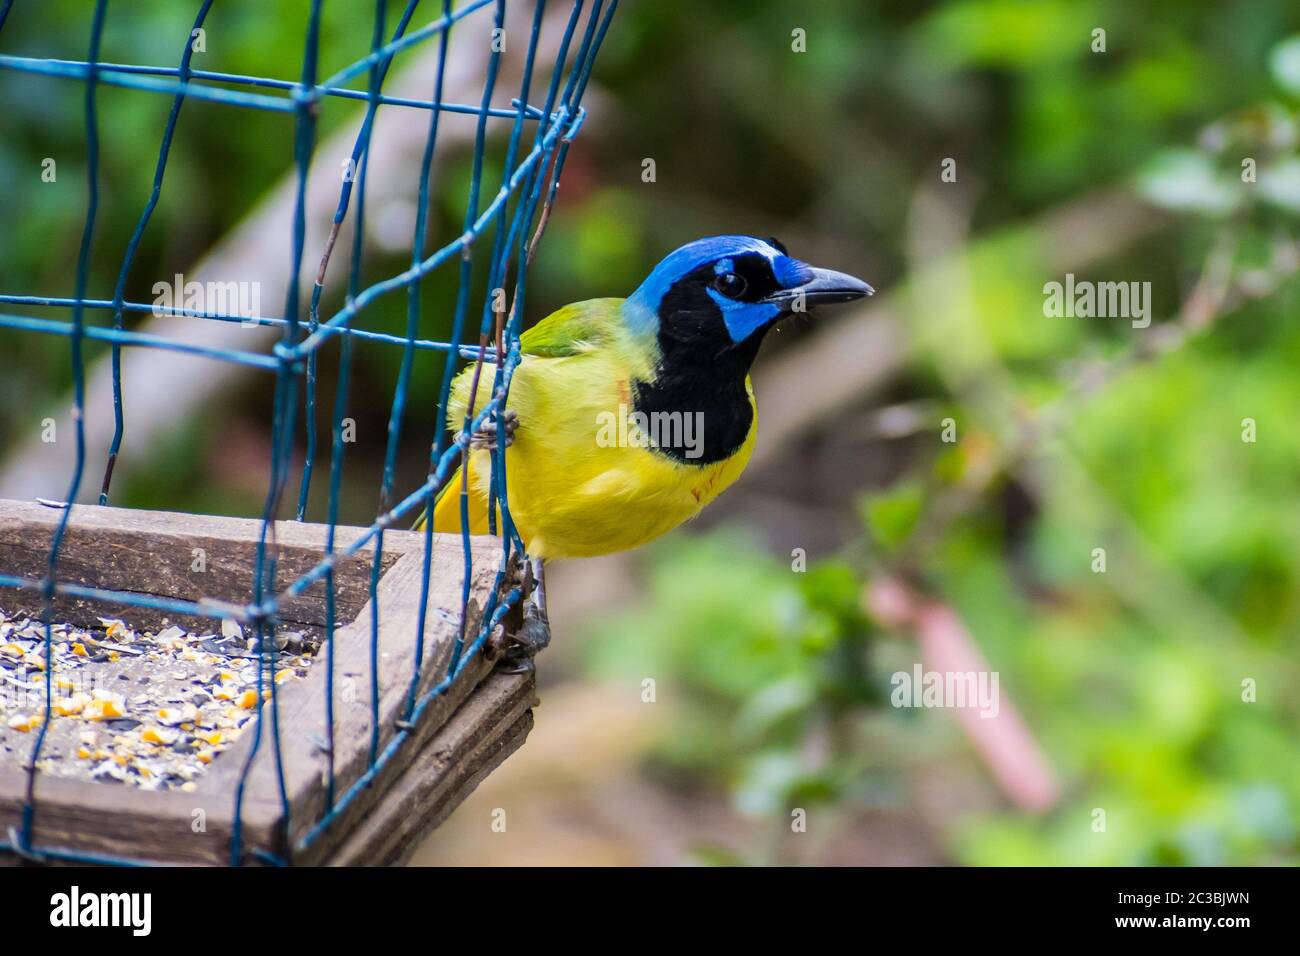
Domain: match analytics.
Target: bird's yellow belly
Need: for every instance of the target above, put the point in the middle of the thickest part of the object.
(577, 488)
(610, 503)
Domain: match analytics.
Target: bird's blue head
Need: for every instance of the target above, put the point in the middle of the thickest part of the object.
(729, 290)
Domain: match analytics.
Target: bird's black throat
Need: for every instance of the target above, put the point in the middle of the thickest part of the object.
(701, 373)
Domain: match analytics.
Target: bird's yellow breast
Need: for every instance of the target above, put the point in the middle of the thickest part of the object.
(579, 480)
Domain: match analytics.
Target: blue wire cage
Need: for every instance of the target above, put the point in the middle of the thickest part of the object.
(543, 116)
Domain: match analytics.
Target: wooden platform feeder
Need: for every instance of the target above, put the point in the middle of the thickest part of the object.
(462, 735)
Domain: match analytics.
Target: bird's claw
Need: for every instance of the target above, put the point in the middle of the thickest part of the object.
(486, 435)
(517, 650)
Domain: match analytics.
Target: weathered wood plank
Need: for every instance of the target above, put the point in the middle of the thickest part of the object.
(302, 704)
(156, 552)
(115, 820)
(487, 728)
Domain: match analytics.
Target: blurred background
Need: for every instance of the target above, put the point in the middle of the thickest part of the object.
(1106, 516)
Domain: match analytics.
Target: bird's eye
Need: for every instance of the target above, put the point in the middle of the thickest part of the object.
(731, 285)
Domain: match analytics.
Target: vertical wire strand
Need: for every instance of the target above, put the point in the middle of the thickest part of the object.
(78, 416)
(307, 99)
(493, 320)
(361, 157)
(360, 149)
(498, 498)
(458, 323)
(404, 374)
(408, 355)
(119, 291)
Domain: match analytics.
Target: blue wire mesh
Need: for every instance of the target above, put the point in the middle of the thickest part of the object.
(514, 217)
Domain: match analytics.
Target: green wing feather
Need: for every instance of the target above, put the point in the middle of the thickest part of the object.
(569, 330)
(573, 329)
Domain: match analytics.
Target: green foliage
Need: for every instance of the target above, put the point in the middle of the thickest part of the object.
(892, 515)
(1136, 682)
(756, 659)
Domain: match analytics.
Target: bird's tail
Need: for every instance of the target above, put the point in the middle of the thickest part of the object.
(446, 508)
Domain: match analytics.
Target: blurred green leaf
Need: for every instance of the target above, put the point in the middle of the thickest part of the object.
(892, 515)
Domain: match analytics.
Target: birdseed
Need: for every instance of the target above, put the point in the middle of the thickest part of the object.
(145, 709)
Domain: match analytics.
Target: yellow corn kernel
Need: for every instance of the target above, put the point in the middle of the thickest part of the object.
(67, 706)
(103, 709)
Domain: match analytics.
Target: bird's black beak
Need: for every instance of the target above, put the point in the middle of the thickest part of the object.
(826, 286)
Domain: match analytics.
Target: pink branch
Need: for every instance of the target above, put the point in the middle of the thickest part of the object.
(1000, 737)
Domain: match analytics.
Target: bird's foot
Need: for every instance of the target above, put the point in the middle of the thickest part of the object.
(488, 432)
(518, 650)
